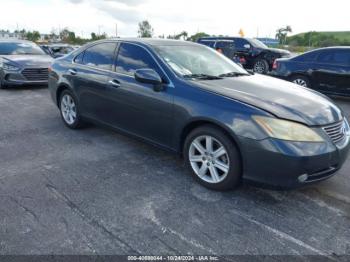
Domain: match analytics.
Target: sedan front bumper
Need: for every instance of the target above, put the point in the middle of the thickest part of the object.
(14, 78)
(288, 164)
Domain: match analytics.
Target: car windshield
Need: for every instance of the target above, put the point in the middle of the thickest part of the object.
(8, 48)
(257, 43)
(198, 61)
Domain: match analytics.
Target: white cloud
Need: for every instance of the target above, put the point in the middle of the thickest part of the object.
(167, 17)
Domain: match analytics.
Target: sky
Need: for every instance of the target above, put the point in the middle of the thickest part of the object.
(224, 17)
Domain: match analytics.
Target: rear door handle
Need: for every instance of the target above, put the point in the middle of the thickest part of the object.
(114, 83)
(72, 72)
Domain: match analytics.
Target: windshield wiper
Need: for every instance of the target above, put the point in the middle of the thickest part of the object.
(202, 76)
(233, 74)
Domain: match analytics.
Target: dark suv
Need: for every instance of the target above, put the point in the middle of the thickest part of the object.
(251, 53)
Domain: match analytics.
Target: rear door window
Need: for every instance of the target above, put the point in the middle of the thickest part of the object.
(307, 57)
(325, 57)
(100, 56)
(342, 57)
(240, 42)
(210, 43)
(336, 57)
(225, 45)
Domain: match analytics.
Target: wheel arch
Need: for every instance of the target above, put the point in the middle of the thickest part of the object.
(190, 126)
(61, 87)
(303, 74)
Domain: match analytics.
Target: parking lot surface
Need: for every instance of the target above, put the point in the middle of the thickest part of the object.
(94, 191)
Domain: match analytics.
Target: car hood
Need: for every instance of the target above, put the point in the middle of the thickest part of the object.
(278, 97)
(30, 60)
(280, 51)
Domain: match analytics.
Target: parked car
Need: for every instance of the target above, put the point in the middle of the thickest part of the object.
(187, 98)
(326, 70)
(252, 53)
(22, 63)
(57, 50)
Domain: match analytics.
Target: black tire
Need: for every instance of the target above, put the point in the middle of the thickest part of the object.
(234, 174)
(78, 122)
(2, 86)
(301, 80)
(261, 66)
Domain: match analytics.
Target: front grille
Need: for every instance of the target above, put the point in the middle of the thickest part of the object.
(36, 74)
(336, 131)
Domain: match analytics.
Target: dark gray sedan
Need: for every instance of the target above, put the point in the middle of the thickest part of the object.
(227, 123)
(22, 63)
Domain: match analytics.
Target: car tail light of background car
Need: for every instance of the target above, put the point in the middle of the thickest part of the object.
(274, 65)
(242, 60)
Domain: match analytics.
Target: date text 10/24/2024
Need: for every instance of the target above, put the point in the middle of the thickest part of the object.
(173, 258)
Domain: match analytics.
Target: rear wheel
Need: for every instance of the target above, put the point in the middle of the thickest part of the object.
(212, 158)
(69, 110)
(261, 66)
(301, 80)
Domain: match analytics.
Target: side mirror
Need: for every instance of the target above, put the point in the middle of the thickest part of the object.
(247, 46)
(149, 76)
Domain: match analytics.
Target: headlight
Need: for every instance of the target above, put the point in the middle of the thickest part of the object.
(10, 67)
(287, 130)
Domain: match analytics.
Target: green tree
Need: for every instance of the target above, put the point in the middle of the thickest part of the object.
(183, 35)
(95, 37)
(281, 34)
(71, 37)
(32, 36)
(145, 29)
(64, 34)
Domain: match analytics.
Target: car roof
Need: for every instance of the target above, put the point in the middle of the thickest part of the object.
(59, 45)
(152, 41)
(327, 48)
(220, 38)
(334, 47)
(15, 41)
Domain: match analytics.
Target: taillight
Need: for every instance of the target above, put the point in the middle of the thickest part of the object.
(274, 65)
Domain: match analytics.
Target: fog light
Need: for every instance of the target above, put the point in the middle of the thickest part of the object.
(15, 77)
(303, 178)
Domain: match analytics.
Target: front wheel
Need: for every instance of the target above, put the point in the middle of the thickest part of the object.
(261, 66)
(213, 158)
(69, 110)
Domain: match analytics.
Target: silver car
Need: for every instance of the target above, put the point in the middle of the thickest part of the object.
(23, 63)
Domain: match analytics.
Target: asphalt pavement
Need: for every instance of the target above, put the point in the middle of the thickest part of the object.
(94, 191)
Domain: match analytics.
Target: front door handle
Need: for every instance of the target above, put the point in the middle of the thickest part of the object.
(114, 83)
(72, 72)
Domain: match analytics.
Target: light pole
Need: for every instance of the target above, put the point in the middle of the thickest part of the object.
(99, 29)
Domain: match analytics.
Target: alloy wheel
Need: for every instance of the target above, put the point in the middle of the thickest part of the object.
(68, 109)
(259, 67)
(300, 82)
(209, 159)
